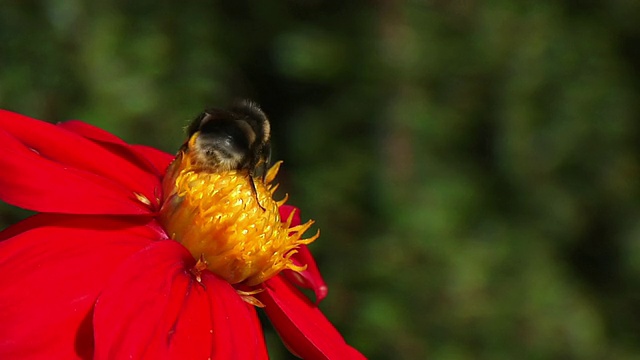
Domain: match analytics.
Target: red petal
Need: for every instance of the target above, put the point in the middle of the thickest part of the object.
(153, 159)
(40, 145)
(158, 158)
(301, 325)
(153, 307)
(285, 211)
(311, 277)
(51, 277)
(33, 182)
(90, 131)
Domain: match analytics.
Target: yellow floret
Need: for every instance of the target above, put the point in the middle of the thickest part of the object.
(220, 219)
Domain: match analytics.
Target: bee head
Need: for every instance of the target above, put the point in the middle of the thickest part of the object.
(233, 139)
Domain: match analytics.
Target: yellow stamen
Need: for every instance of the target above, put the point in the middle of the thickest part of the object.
(197, 270)
(248, 297)
(236, 231)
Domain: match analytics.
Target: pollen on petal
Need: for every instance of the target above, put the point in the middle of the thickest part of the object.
(143, 199)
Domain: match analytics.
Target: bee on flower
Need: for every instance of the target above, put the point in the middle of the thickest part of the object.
(136, 253)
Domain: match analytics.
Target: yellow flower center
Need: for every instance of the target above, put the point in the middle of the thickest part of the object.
(236, 231)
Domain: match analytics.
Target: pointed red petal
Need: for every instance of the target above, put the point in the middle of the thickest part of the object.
(51, 277)
(36, 183)
(154, 159)
(301, 325)
(90, 132)
(153, 307)
(47, 143)
(158, 158)
(309, 278)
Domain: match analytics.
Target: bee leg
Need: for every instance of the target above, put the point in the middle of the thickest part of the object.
(255, 193)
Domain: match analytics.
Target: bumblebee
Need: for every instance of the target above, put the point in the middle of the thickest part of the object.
(238, 138)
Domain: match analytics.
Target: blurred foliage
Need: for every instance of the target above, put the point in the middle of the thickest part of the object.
(473, 165)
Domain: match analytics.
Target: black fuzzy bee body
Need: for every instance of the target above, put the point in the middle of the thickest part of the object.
(233, 139)
(238, 138)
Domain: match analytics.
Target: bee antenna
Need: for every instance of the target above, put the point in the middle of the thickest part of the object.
(255, 192)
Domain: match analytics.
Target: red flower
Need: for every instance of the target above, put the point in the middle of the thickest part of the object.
(94, 274)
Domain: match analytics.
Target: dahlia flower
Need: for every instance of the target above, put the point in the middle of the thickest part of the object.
(110, 268)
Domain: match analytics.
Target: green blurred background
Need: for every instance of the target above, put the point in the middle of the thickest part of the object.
(473, 165)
